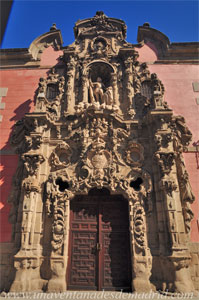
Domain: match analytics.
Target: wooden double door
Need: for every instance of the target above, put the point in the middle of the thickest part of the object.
(99, 243)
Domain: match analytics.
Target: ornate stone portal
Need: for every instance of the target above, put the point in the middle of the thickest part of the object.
(104, 124)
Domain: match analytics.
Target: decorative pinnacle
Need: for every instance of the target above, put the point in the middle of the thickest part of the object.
(100, 13)
(53, 27)
(146, 24)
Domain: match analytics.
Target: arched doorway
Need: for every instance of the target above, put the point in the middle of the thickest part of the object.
(99, 246)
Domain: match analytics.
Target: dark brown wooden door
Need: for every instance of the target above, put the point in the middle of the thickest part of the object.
(99, 246)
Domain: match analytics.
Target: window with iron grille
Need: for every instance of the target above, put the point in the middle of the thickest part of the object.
(52, 91)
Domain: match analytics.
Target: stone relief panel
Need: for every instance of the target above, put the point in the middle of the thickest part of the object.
(50, 95)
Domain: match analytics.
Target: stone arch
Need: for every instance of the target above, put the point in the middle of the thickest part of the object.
(103, 62)
(60, 206)
(101, 69)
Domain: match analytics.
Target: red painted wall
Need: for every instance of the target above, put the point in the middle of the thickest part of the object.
(19, 100)
(179, 94)
(22, 84)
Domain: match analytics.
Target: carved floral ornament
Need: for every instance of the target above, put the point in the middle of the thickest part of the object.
(100, 46)
(134, 154)
(60, 157)
(100, 24)
(99, 173)
(135, 185)
(32, 162)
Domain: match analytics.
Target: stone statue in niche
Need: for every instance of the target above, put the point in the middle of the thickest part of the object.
(98, 92)
(108, 96)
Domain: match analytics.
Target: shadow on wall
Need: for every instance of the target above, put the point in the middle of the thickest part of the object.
(21, 110)
(9, 162)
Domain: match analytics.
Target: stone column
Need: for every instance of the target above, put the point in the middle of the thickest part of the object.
(60, 230)
(70, 95)
(27, 278)
(115, 88)
(27, 260)
(128, 85)
(57, 283)
(84, 88)
(141, 256)
(176, 249)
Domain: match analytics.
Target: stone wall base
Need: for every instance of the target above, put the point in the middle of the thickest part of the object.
(7, 271)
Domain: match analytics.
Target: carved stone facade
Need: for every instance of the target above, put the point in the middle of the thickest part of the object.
(103, 123)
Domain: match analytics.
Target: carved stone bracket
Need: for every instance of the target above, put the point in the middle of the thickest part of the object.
(165, 161)
(169, 186)
(32, 163)
(28, 274)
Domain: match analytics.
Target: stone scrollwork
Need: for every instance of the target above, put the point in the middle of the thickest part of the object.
(163, 140)
(56, 194)
(187, 196)
(60, 157)
(134, 154)
(97, 166)
(99, 47)
(58, 225)
(165, 162)
(182, 138)
(181, 130)
(32, 163)
(139, 227)
(169, 186)
(50, 95)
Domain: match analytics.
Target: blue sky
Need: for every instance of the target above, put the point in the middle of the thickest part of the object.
(179, 20)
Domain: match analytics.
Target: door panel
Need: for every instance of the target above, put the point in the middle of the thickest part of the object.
(114, 228)
(99, 247)
(83, 240)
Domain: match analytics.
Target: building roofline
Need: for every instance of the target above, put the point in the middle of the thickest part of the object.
(184, 52)
(166, 49)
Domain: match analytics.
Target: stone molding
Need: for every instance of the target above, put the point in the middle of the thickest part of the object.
(167, 51)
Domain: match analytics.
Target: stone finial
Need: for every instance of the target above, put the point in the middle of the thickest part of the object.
(146, 24)
(53, 27)
(100, 13)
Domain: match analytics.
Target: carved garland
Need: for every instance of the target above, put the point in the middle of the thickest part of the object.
(56, 200)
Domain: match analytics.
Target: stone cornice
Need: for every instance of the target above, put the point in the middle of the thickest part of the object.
(186, 51)
(30, 57)
(168, 53)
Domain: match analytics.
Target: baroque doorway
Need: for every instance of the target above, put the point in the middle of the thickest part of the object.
(99, 247)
